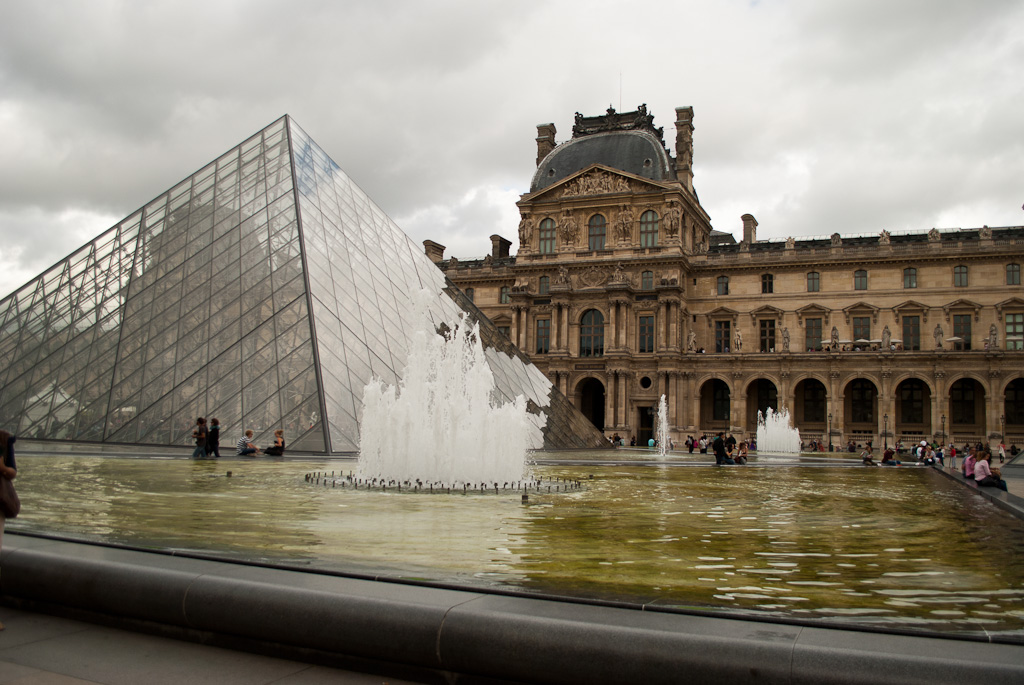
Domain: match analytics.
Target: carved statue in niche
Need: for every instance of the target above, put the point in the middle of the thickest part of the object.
(563, 276)
(673, 220)
(737, 342)
(993, 337)
(619, 276)
(525, 231)
(837, 240)
(624, 224)
(883, 238)
(886, 337)
(834, 342)
(785, 339)
(569, 229)
(691, 342)
(937, 334)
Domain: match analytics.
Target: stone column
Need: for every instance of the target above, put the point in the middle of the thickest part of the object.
(613, 324)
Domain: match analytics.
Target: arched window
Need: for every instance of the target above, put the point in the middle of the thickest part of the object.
(544, 286)
(547, 236)
(860, 279)
(503, 295)
(960, 276)
(1013, 274)
(649, 229)
(592, 334)
(647, 280)
(596, 232)
(723, 285)
(813, 282)
(910, 277)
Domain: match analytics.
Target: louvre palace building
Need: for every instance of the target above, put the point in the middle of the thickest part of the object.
(622, 292)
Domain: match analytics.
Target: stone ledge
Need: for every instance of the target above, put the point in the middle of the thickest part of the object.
(468, 632)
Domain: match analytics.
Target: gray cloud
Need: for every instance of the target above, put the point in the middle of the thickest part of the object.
(815, 117)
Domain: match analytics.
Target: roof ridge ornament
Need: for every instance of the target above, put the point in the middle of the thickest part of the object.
(611, 120)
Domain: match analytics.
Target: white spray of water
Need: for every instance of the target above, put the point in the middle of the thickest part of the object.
(442, 425)
(775, 435)
(661, 431)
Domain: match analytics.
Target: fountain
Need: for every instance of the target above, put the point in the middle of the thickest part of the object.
(661, 430)
(442, 425)
(775, 435)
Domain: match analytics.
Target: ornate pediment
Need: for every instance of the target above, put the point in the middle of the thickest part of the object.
(911, 307)
(720, 313)
(596, 180)
(1012, 304)
(766, 312)
(813, 310)
(861, 309)
(963, 305)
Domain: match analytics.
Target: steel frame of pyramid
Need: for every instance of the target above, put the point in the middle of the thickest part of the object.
(265, 290)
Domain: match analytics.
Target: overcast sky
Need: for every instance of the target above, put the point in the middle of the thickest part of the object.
(814, 116)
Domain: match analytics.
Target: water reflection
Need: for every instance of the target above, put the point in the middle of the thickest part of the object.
(867, 546)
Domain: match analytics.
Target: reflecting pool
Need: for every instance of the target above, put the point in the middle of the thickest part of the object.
(901, 548)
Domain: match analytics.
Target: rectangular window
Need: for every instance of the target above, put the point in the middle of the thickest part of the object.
(911, 403)
(547, 236)
(911, 332)
(962, 330)
(910, 277)
(861, 328)
(860, 280)
(646, 328)
(545, 285)
(721, 336)
(505, 331)
(543, 336)
(1013, 274)
(1015, 331)
(960, 276)
(767, 335)
(723, 285)
(814, 402)
(813, 282)
(767, 283)
(812, 329)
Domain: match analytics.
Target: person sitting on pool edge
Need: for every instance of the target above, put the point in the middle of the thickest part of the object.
(865, 457)
(277, 449)
(983, 474)
(718, 447)
(245, 446)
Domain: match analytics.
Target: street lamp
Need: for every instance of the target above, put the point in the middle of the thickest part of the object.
(830, 431)
(885, 432)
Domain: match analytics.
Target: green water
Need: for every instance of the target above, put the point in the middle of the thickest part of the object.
(901, 547)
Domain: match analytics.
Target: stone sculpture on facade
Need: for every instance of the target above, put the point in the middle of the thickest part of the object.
(886, 337)
(525, 231)
(673, 220)
(738, 342)
(569, 230)
(993, 337)
(624, 224)
(785, 339)
(834, 342)
(937, 334)
(691, 342)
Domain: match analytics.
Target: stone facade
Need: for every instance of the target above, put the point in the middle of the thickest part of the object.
(621, 292)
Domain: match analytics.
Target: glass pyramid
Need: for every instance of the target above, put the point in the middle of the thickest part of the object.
(264, 290)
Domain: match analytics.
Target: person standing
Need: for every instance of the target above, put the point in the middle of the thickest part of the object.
(8, 470)
(200, 436)
(213, 439)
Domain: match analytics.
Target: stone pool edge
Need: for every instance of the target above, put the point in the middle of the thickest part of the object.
(445, 634)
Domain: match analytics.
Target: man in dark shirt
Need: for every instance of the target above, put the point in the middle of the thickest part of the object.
(718, 446)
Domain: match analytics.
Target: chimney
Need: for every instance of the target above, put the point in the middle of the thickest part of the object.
(545, 141)
(749, 229)
(499, 247)
(435, 251)
(684, 146)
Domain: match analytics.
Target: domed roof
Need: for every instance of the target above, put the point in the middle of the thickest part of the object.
(636, 152)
